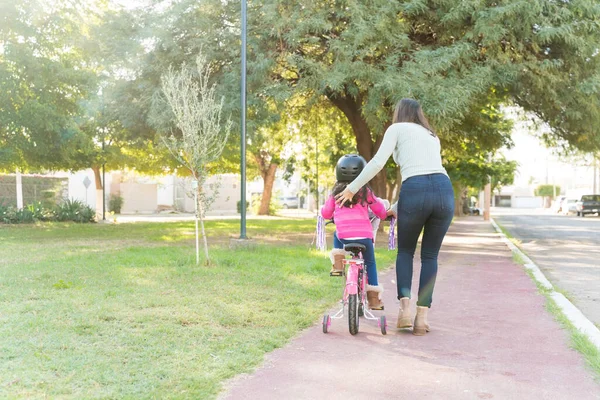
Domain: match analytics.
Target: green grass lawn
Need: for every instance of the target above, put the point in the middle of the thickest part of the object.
(122, 311)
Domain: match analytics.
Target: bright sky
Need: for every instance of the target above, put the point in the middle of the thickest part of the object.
(539, 162)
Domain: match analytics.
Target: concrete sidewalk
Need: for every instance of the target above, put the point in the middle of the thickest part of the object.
(491, 338)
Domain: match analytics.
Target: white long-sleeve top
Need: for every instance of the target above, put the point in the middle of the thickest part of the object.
(414, 148)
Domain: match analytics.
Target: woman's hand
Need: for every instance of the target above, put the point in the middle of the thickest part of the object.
(345, 196)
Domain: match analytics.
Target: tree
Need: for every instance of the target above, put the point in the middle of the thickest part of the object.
(364, 56)
(59, 90)
(43, 79)
(197, 115)
(325, 136)
(549, 192)
(469, 151)
(475, 172)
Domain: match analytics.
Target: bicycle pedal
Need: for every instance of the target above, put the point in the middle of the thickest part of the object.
(336, 273)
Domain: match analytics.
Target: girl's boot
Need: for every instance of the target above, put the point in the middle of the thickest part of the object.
(337, 257)
(421, 326)
(374, 297)
(404, 317)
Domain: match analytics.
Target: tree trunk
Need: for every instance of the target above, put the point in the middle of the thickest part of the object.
(458, 200)
(389, 189)
(99, 195)
(98, 177)
(269, 179)
(200, 216)
(394, 188)
(364, 142)
(457, 206)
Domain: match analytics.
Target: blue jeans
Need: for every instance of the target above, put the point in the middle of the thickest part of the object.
(426, 203)
(368, 255)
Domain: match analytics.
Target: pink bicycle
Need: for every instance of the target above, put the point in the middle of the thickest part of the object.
(354, 295)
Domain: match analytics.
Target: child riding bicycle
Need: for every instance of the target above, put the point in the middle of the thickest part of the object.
(353, 224)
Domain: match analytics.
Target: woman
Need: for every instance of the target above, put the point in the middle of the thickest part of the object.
(426, 203)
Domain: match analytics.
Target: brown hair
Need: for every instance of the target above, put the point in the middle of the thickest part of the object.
(409, 110)
(359, 197)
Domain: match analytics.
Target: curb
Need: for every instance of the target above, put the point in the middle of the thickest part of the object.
(573, 314)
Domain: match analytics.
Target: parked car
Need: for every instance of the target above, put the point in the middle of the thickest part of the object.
(289, 202)
(569, 206)
(589, 204)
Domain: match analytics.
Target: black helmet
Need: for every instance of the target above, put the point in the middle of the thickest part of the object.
(348, 167)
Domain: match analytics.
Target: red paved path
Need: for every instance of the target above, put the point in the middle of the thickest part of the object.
(491, 338)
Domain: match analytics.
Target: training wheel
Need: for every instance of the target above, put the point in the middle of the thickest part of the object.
(326, 322)
(383, 324)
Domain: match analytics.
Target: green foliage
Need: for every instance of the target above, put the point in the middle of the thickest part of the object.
(11, 215)
(68, 210)
(273, 205)
(461, 60)
(547, 190)
(475, 172)
(74, 210)
(43, 79)
(41, 212)
(61, 71)
(239, 206)
(115, 202)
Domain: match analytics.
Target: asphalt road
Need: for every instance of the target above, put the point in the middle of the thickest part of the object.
(567, 250)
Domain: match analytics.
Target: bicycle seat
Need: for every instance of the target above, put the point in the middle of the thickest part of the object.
(354, 248)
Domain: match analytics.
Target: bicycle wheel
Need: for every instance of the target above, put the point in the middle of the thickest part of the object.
(361, 300)
(353, 314)
(326, 322)
(383, 325)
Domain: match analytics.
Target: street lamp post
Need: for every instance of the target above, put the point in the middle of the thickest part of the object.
(243, 123)
(103, 183)
(317, 164)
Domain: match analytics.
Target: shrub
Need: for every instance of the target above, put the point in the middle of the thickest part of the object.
(8, 214)
(3, 211)
(24, 216)
(274, 205)
(115, 203)
(49, 198)
(74, 210)
(69, 210)
(41, 213)
(239, 206)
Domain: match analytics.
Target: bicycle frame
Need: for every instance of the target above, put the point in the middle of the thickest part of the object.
(355, 268)
(354, 293)
(356, 278)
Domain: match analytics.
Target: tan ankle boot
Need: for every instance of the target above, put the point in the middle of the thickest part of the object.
(404, 317)
(421, 326)
(374, 297)
(337, 257)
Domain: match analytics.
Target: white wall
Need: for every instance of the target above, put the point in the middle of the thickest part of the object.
(526, 202)
(138, 198)
(165, 189)
(226, 201)
(77, 190)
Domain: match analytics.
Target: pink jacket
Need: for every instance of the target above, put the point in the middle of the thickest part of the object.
(354, 222)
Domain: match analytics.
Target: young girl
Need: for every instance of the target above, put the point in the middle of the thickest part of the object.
(353, 225)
